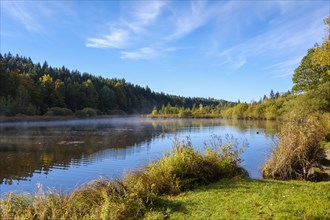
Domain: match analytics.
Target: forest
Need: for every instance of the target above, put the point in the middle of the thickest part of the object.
(28, 88)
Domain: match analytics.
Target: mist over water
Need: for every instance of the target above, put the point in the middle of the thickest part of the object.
(65, 154)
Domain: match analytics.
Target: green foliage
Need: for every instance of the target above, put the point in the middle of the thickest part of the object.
(313, 101)
(321, 56)
(309, 75)
(57, 111)
(209, 111)
(315, 66)
(297, 152)
(270, 109)
(107, 99)
(184, 113)
(184, 167)
(86, 113)
(154, 111)
(239, 110)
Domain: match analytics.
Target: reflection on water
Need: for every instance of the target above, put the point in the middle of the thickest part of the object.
(68, 153)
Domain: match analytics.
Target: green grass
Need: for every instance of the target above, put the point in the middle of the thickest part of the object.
(247, 199)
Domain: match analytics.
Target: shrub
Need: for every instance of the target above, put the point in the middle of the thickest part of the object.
(57, 111)
(184, 113)
(184, 167)
(154, 111)
(86, 112)
(297, 152)
(311, 102)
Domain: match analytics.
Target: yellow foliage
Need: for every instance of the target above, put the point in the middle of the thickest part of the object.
(46, 78)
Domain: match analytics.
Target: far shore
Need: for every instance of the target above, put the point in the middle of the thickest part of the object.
(27, 118)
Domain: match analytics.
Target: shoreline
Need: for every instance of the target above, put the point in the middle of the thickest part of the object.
(6, 119)
(241, 197)
(26, 118)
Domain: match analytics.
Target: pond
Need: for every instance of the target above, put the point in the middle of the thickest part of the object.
(65, 154)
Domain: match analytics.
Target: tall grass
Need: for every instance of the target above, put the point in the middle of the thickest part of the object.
(132, 196)
(297, 152)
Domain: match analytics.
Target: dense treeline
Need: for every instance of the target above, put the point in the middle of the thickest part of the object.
(34, 89)
(267, 108)
(200, 111)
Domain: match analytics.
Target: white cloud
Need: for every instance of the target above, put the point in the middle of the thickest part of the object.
(145, 53)
(128, 29)
(284, 68)
(116, 39)
(147, 13)
(235, 60)
(22, 13)
(36, 16)
(287, 39)
(190, 19)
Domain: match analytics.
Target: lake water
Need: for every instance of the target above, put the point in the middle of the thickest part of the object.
(67, 154)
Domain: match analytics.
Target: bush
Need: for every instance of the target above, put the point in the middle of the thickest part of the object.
(184, 113)
(313, 101)
(297, 152)
(86, 113)
(57, 111)
(154, 111)
(184, 167)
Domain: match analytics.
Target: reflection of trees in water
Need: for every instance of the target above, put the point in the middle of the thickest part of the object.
(30, 150)
(38, 150)
(268, 127)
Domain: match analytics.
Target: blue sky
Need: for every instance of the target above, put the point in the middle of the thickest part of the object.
(222, 49)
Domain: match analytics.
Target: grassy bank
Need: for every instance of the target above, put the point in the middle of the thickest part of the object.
(229, 198)
(238, 198)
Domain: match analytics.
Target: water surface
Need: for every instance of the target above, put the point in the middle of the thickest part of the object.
(67, 154)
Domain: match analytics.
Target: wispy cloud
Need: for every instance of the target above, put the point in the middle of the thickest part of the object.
(147, 13)
(285, 39)
(284, 68)
(188, 20)
(149, 53)
(22, 13)
(116, 39)
(130, 28)
(235, 59)
(36, 16)
(145, 53)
